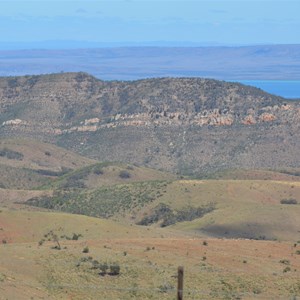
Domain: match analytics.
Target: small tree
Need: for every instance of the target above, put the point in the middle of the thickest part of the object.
(114, 269)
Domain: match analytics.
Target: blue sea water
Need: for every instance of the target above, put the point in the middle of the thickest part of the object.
(284, 88)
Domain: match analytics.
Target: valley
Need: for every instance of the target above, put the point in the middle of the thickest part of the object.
(107, 187)
(249, 254)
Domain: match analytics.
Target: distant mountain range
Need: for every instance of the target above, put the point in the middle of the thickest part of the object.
(73, 44)
(184, 125)
(265, 62)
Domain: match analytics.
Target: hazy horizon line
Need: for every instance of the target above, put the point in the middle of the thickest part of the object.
(80, 44)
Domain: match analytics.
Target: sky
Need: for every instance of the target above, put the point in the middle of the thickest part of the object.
(142, 22)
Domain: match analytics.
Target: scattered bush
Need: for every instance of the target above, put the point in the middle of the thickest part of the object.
(257, 291)
(165, 288)
(287, 269)
(10, 154)
(167, 216)
(95, 264)
(98, 170)
(76, 236)
(289, 201)
(86, 250)
(52, 173)
(124, 174)
(284, 261)
(56, 247)
(204, 243)
(51, 236)
(73, 183)
(103, 267)
(114, 269)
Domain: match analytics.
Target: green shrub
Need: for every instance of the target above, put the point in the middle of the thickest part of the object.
(76, 236)
(284, 261)
(114, 269)
(124, 174)
(10, 154)
(289, 201)
(86, 250)
(103, 267)
(286, 269)
(165, 288)
(95, 264)
(98, 170)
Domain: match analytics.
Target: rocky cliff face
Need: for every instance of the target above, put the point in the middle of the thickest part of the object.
(169, 122)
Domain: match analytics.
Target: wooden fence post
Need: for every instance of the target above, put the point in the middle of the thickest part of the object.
(180, 284)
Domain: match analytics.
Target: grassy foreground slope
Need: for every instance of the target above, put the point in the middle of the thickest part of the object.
(148, 259)
(46, 253)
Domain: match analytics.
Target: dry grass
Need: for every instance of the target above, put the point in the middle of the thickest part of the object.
(149, 256)
(243, 174)
(221, 269)
(244, 208)
(39, 155)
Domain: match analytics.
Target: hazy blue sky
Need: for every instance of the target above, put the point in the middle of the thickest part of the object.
(115, 21)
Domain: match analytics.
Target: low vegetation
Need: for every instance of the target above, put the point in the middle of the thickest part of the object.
(10, 154)
(289, 201)
(166, 216)
(102, 268)
(103, 202)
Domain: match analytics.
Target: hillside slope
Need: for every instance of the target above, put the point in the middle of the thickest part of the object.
(203, 207)
(27, 163)
(184, 125)
(32, 267)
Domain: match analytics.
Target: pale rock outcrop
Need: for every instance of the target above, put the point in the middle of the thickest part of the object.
(91, 121)
(14, 122)
(267, 117)
(249, 120)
